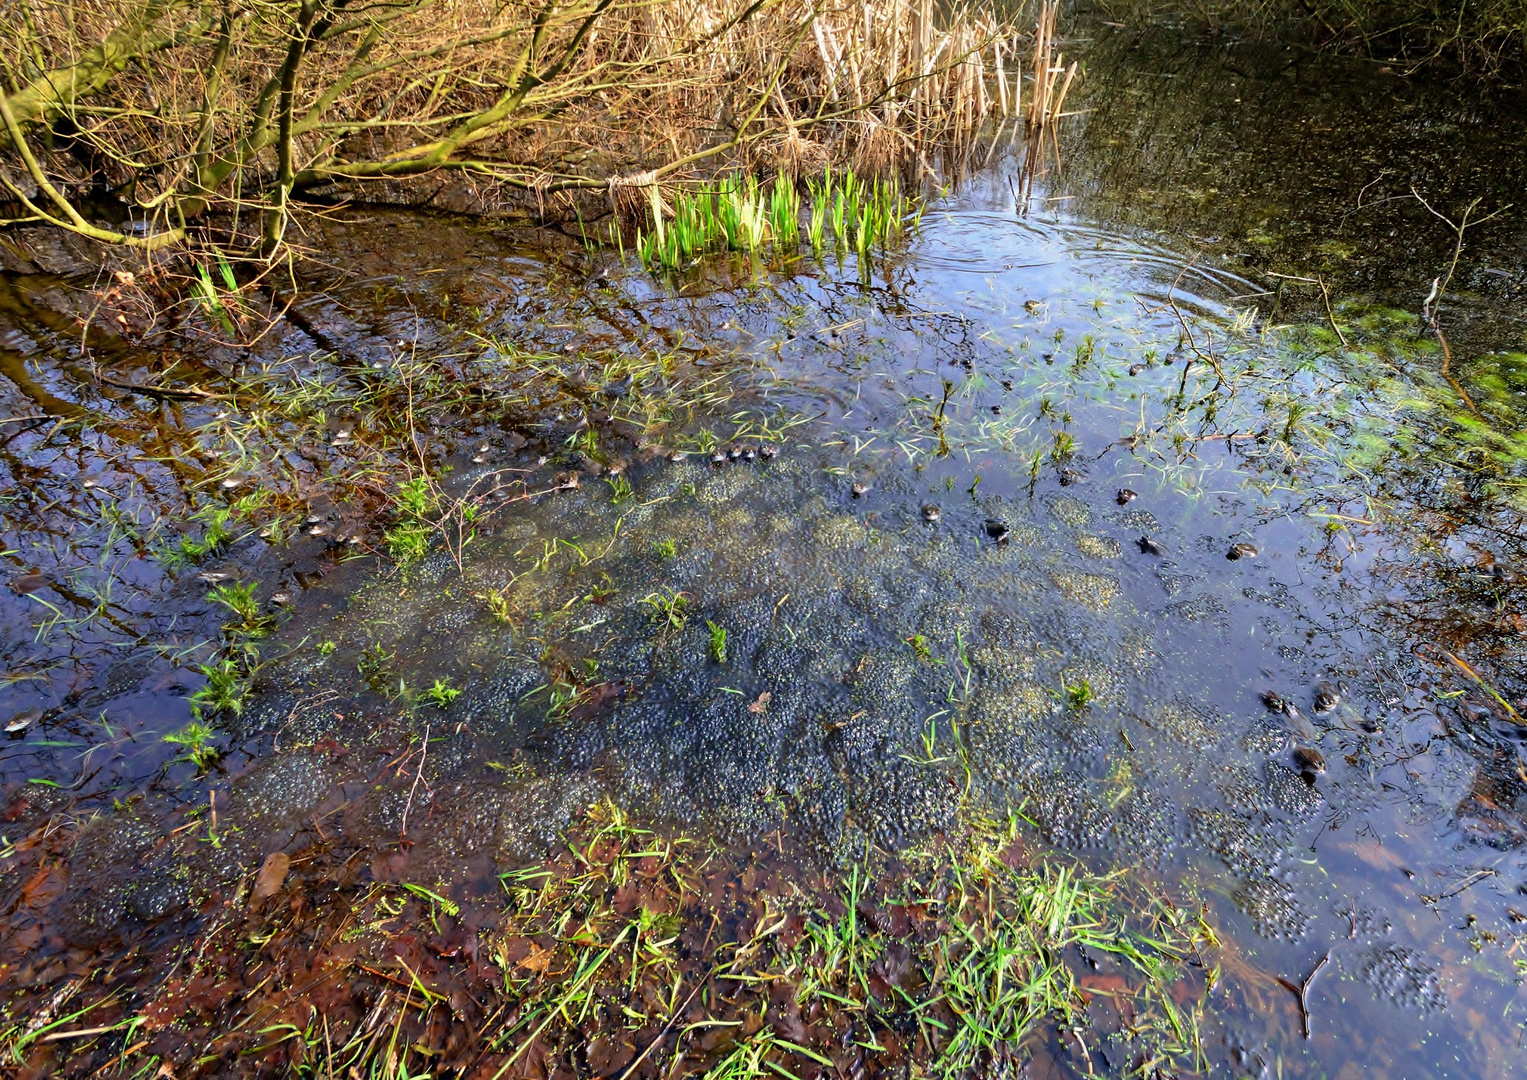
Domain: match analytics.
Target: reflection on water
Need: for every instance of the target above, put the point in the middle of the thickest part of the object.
(931, 601)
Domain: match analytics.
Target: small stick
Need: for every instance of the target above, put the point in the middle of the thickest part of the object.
(403, 830)
(190, 393)
(1326, 295)
(1301, 992)
(1473, 879)
(661, 1035)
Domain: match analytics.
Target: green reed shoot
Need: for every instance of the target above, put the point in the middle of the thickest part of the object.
(668, 607)
(784, 212)
(737, 214)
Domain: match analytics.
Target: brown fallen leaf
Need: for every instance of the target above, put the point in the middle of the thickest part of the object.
(272, 873)
(24, 584)
(762, 703)
(538, 960)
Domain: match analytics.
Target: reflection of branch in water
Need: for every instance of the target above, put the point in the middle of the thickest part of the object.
(1035, 164)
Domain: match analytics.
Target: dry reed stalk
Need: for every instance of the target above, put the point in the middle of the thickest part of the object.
(1046, 103)
(996, 47)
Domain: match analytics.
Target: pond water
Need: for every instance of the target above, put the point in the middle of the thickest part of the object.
(1140, 506)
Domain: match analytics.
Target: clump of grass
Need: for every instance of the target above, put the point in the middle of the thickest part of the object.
(215, 535)
(442, 693)
(920, 647)
(225, 690)
(239, 598)
(499, 605)
(375, 667)
(1079, 694)
(620, 489)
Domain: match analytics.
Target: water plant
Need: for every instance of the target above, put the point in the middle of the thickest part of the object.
(735, 213)
(239, 598)
(498, 604)
(225, 690)
(620, 489)
(1079, 695)
(668, 607)
(407, 538)
(215, 535)
(195, 740)
(920, 648)
(375, 666)
(442, 693)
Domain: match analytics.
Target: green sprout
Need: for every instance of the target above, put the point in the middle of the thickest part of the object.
(224, 691)
(620, 489)
(239, 598)
(498, 604)
(921, 648)
(407, 539)
(1079, 694)
(717, 646)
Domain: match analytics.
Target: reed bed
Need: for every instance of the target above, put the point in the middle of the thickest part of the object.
(184, 108)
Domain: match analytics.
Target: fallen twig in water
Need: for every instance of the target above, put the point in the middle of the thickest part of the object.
(1301, 991)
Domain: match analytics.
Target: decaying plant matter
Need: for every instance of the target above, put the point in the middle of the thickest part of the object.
(180, 107)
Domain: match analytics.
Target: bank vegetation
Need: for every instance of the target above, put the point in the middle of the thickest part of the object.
(138, 122)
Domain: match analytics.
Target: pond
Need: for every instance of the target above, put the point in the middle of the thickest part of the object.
(1128, 497)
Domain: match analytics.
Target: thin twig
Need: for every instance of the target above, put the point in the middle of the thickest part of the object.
(1301, 992)
(403, 829)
